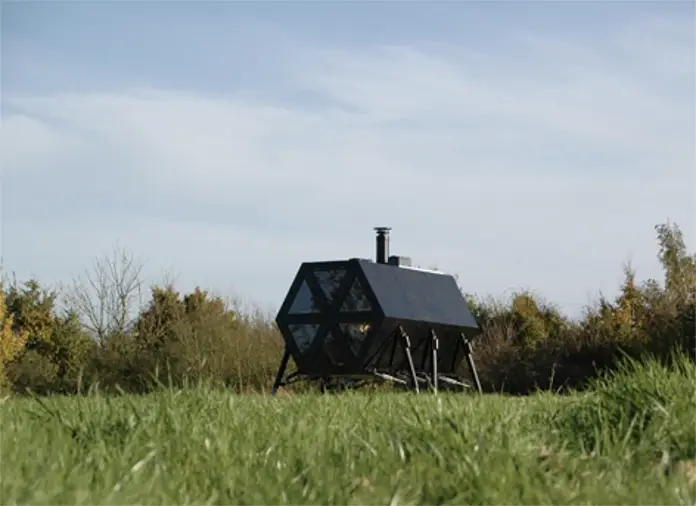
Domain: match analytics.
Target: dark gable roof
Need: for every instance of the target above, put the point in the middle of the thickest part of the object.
(414, 295)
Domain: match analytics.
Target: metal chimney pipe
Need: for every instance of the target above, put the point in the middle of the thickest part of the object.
(382, 244)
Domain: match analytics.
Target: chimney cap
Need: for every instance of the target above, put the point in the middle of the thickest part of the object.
(382, 229)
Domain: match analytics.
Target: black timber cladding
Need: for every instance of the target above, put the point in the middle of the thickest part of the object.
(418, 296)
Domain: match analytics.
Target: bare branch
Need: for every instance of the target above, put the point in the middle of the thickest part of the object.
(108, 295)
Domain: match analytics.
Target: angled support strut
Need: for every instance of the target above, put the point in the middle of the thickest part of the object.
(281, 371)
(470, 360)
(406, 342)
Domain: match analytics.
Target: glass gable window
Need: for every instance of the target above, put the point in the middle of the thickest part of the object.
(356, 300)
(355, 334)
(329, 280)
(304, 335)
(332, 348)
(304, 301)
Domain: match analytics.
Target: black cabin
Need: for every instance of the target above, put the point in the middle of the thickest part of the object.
(359, 317)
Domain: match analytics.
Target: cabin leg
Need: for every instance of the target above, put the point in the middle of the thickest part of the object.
(435, 347)
(393, 351)
(470, 360)
(281, 372)
(406, 341)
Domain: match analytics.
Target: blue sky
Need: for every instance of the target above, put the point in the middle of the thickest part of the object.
(515, 144)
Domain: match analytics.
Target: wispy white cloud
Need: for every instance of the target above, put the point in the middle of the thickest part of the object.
(546, 171)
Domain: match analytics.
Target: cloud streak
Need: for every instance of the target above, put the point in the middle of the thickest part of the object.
(546, 170)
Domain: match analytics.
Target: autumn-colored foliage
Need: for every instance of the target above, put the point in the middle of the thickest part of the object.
(11, 341)
(104, 338)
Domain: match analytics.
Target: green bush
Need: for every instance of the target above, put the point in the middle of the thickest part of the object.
(57, 351)
(527, 343)
(11, 342)
(195, 338)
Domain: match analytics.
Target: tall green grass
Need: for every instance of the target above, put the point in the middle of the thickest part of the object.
(203, 446)
(649, 407)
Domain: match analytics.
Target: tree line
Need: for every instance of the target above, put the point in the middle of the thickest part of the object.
(107, 330)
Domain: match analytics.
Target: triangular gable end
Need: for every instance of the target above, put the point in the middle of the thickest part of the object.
(304, 335)
(329, 280)
(356, 300)
(304, 302)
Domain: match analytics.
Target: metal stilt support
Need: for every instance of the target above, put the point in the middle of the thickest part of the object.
(406, 341)
(281, 372)
(470, 360)
(435, 347)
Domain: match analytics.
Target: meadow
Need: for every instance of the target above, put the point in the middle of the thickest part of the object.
(628, 439)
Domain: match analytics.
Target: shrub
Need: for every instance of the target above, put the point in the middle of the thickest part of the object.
(528, 345)
(197, 337)
(111, 337)
(11, 341)
(56, 350)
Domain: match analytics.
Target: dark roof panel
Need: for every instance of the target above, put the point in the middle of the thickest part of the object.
(410, 294)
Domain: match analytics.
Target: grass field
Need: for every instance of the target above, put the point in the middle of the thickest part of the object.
(632, 440)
